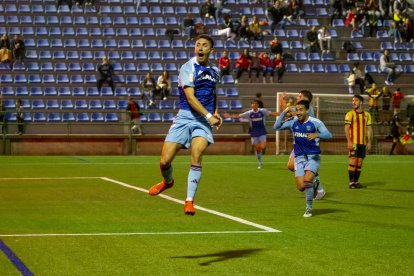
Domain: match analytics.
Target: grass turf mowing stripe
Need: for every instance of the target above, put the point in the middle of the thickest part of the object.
(240, 220)
(15, 260)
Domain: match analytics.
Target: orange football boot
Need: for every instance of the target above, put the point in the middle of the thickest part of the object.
(189, 208)
(160, 187)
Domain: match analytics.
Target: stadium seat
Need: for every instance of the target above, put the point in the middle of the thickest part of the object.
(95, 104)
(292, 68)
(111, 117)
(318, 68)
(386, 45)
(66, 104)
(232, 92)
(68, 117)
(314, 57)
(109, 104)
(300, 56)
(132, 79)
(409, 68)
(235, 104)
(344, 68)
(305, 68)
(331, 68)
(50, 91)
(181, 55)
(9, 104)
(64, 91)
(36, 91)
(356, 34)
(82, 117)
(38, 104)
(39, 117)
(166, 104)
(52, 104)
(156, 67)
(154, 117)
(227, 79)
(17, 66)
(91, 79)
(106, 91)
(34, 78)
(53, 117)
(327, 57)
(61, 66)
(371, 68)
(352, 57)
(222, 104)
(78, 91)
(405, 57)
(97, 117)
(22, 91)
(92, 92)
(81, 104)
(76, 79)
(168, 117)
(7, 91)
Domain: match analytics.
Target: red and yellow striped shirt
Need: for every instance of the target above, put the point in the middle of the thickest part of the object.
(358, 126)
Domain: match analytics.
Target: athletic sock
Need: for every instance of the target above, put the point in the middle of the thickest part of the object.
(357, 173)
(259, 157)
(309, 195)
(351, 172)
(393, 147)
(167, 172)
(319, 188)
(193, 179)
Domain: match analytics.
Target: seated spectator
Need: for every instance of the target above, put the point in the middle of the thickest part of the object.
(255, 29)
(227, 28)
(277, 16)
(394, 32)
(149, 88)
(135, 116)
(359, 77)
(207, 10)
(296, 9)
(89, 2)
(220, 9)
(5, 52)
(200, 29)
(312, 39)
(373, 17)
(18, 48)
(164, 85)
(275, 47)
(336, 10)
(188, 26)
(279, 67)
(67, 2)
(324, 39)
(352, 19)
(242, 64)
(106, 72)
(374, 93)
(244, 28)
(224, 64)
(389, 67)
(267, 66)
(255, 66)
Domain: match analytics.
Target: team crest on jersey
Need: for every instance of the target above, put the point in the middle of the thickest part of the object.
(308, 128)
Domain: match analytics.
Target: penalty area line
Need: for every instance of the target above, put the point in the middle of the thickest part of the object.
(230, 217)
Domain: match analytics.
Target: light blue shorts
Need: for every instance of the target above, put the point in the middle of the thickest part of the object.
(257, 140)
(187, 126)
(292, 154)
(305, 163)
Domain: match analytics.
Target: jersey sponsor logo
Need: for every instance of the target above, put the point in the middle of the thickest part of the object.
(207, 77)
(301, 135)
(257, 119)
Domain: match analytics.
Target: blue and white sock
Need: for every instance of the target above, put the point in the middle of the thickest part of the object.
(167, 173)
(193, 179)
(309, 196)
(320, 187)
(259, 157)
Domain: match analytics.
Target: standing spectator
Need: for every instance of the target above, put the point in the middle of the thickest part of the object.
(275, 46)
(352, 19)
(396, 130)
(275, 15)
(399, 20)
(358, 132)
(242, 64)
(279, 67)
(386, 8)
(351, 79)
(227, 28)
(5, 52)
(389, 67)
(296, 9)
(336, 10)
(255, 29)
(207, 10)
(266, 64)
(259, 100)
(106, 72)
(18, 48)
(224, 64)
(386, 104)
(374, 93)
(324, 39)
(397, 97)
(164, 85)
(244, 28)
(255, 66)
(67, 2)
(312, 39)
(373, 17)
(135, 116)
(149, 87)
(200, 29)
(359, 77)
(394, 32)
(188, 26)
(19, 117)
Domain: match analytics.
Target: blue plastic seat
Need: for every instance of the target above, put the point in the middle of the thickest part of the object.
(121, 32)
(318, 68)
(76, 79)
(222, 104)
(120, 92)
(409, 68)
(92, 91)
(170, 67)
(11, 19)
(66, 20)
(166, 104)
(331, 68)
(72, 55)
(48, 78)
(106, 91)
(134, 91)
(97, 117)
(132, 79)
(143, 67)
(50, 91)
(52, 104)
(50, 20)
(168, 117)
(371, 68)
(154, 117)
(43, 42)
(386, 45)
(7, 91)
(91, 79)
(79, 20)
(405, 57)
(54, 117)
(95, 104)
(36, 91)
(300, 56)
(82, 117)
(39, 117)
(129, 67)
(9, 104)
(6, 78)
(305, 68)
(352, 57)
(109, 104)
(232, 92)
(64, 91)
(122, 104)
(181, 55)
(95, 32)
(157, 67)
(78, 91)
(235, 104)
(81, 104)
(56, 43)
(28, 31)
(344, 68)
(62, 79)
(111, 117)
(34, 78)
(68, 117)
(22, 91)
(86, 55)
(314, 57)
(113, 55)
(38, 104)
(20, 78)
(356, 34)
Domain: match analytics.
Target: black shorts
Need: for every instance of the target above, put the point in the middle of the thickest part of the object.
(395, 133)
(358, 151)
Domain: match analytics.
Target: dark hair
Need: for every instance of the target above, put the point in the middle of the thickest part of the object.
(307, 94)
(359, 97)
(304, 103)
(207, 37)
(258, 94)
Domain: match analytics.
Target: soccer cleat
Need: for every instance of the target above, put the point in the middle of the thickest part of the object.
(355, 185)
(320, 195)
(189, 208)
(308, 213)
(260, 165)
(160, 187)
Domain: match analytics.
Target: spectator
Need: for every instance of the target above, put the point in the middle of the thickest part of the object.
(259, 100)
(296, 9)
(266, 65)
(242, 64)
(224, 64)
(386, 103)
(135, 116)
(89, 2)
(275, 46)
(244, 28)
(351, 80)
(200, 29)
(312, 39)
(275, 15)
(399, 20)
(396, 130)
(352, 19)
(396, 99)
(374, 93)
(220, 9)
(188, 26)
(18, 48)
(400, 5)
(389, 67)
(19, 117)
(409, 30)
(359, 77)
(386, 8)
(207, 10)
(106, 72)
(255, 29)
(279, 67)
(149, 87)
(373, 17)
(336, 10)
(67, 2)
(255, 66)
(164, 85)
(324, 39)
(5, 52)
(394, 32)
(227, 28)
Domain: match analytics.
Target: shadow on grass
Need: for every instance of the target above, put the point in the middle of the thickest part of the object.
(221, 256)
(366, 204)
(369, 184)
(317, 212)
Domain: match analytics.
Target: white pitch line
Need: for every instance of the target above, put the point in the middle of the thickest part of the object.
(133, 234)
(240, 220)
(50, 178)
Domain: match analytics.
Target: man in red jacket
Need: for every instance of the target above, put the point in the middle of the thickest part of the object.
(224, 64)
(242, 64)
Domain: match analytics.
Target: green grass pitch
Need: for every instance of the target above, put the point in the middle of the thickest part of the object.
(59, 217)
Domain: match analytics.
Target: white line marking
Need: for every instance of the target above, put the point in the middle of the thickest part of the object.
(240, 220)
(50, 178)
(133, 234)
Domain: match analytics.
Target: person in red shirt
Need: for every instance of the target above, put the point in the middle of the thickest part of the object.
(352, 19)
(224, 64)
(397, 97)
(279, 67)
(242, 64)
(266, 64)
(135, 115)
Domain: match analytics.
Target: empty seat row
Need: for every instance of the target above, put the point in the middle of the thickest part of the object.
(341, 68)
(65, 117)
(66, 104)
(77, 91)
(375, 56)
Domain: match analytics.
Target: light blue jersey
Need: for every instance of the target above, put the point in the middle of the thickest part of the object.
(204, 80)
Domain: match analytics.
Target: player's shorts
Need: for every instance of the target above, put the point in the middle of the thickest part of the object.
(395, 133)
(304, 163)
(358, 151)
(259, 139)
(187, 126)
